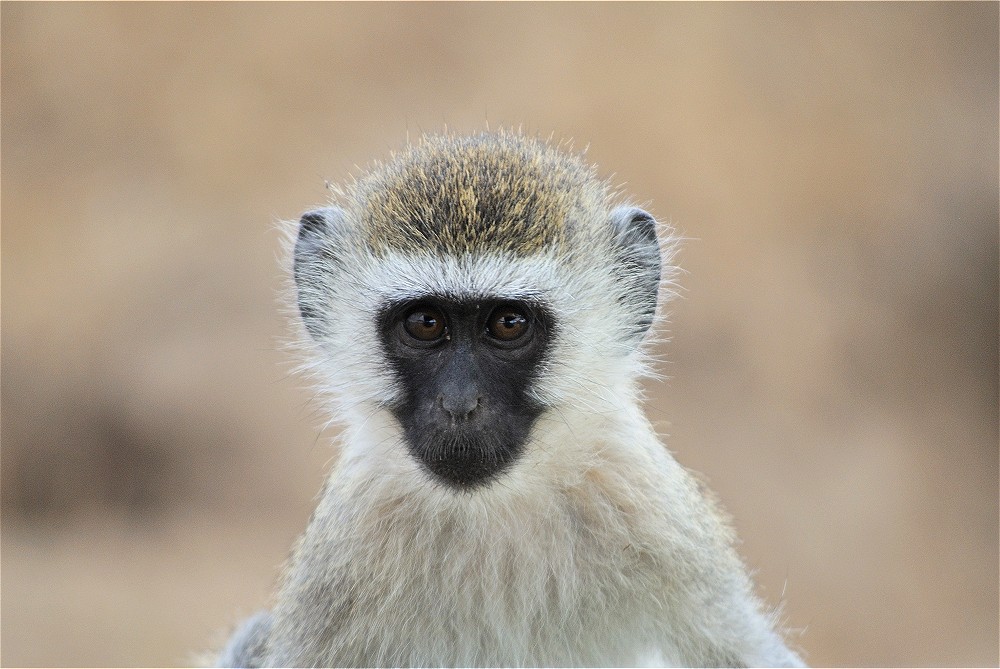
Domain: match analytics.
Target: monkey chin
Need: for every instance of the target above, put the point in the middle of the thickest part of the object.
(465, 460)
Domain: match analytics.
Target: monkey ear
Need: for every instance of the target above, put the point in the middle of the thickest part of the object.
(314, 261)
(639, 263)
(319, 221)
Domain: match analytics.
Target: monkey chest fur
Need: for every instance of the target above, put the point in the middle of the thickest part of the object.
(417, 579)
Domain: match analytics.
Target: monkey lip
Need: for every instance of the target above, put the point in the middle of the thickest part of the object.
(465, 458)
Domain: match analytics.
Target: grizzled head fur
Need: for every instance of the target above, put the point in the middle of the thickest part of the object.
(490, 216)
(475, 195)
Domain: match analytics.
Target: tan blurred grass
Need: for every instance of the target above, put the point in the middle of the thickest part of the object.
(833, 368)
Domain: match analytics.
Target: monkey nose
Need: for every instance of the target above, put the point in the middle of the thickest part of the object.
(459, 406)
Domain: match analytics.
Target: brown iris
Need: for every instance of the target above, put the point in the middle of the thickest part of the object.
(507, 324)
(424, 323)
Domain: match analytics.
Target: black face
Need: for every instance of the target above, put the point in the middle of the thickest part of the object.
(465, 368)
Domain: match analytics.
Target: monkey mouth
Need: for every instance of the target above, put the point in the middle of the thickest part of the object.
(465, 459)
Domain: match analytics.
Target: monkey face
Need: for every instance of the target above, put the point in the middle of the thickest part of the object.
(465, 370)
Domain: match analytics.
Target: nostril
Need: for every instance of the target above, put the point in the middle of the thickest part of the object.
(460, 407)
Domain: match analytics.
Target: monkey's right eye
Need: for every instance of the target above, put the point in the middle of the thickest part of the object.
(425, 324)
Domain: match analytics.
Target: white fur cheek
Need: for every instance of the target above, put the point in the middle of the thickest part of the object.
(375, 450)
(351, 366)
(591, 360)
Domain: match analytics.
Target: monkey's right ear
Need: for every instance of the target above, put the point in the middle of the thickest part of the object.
(314, 260)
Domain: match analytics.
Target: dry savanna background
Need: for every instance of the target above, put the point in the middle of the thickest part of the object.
(832, 368)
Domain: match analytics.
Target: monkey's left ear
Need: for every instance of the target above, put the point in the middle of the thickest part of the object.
(639, 263)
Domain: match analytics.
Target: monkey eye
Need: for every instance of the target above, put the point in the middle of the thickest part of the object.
(507, 324)
(425, 324)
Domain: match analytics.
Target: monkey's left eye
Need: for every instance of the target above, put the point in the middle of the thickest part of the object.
(507, 324)
(425, 324)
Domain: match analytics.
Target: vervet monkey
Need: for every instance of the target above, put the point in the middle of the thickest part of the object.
(477, 309)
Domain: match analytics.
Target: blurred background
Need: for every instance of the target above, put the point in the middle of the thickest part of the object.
(833, 364)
